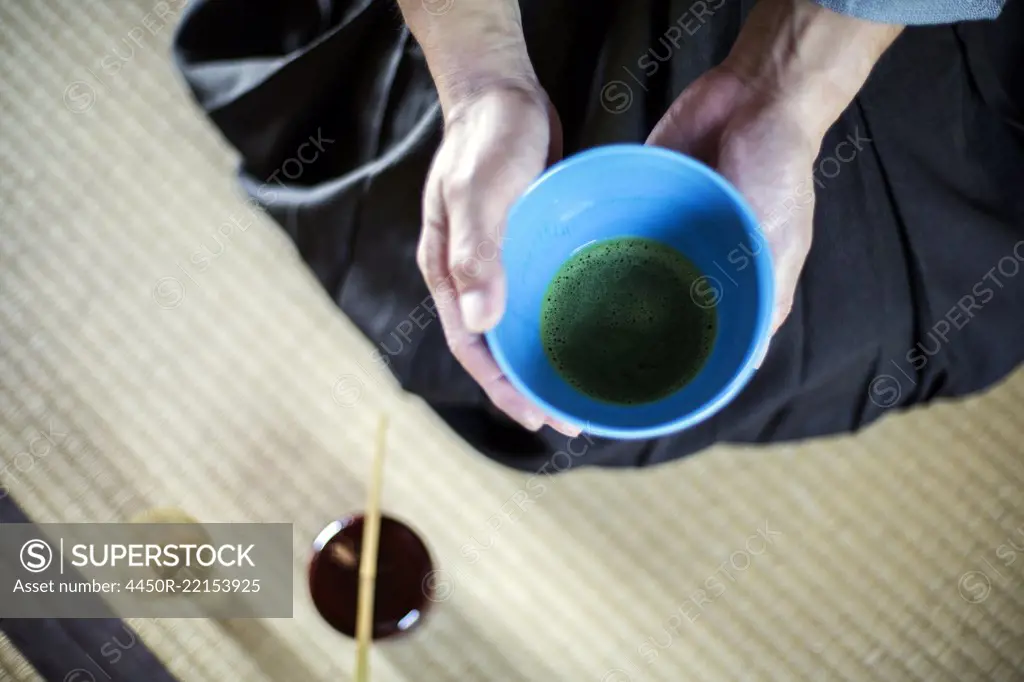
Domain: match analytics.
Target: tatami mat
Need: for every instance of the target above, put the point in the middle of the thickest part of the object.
(217, 391)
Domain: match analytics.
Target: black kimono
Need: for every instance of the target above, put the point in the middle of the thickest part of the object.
(914, 287)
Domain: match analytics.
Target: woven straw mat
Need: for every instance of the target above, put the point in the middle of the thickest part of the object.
(219, 393)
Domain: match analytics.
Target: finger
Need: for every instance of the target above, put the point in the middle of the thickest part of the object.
(564, 428)
(432, 249)
(472, 352)
(435, 264)
(782, 198)
(687, 128)
(783, 307)
(789, 254)
(790, 266)
(694, 121)
(469, 348)
(790, 243)
(674, 130)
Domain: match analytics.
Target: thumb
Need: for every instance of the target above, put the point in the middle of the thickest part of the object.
(695, 120)
(676, 130)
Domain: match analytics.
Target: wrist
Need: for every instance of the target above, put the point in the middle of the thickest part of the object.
(472, 47)
(808, 59)
(460, 88)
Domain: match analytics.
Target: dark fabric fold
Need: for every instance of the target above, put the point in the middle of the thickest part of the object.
(63, 649)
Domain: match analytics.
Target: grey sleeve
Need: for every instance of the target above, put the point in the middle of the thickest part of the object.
(911, 12)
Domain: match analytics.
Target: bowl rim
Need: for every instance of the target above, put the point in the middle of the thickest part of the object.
(757, 349)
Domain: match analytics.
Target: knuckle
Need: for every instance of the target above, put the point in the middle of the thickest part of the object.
(429, 260)
(469, 274)
(464, 264)
(423, 261)
(444, 296)
(458, 348)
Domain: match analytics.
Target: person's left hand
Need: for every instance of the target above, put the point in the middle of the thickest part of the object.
(759, 143)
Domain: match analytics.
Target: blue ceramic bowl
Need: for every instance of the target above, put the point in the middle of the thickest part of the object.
(636, 191)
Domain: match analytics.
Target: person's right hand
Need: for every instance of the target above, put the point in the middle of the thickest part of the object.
(496, 142)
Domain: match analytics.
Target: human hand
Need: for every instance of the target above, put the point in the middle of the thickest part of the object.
(762, 147)
(496, 142)
(759, 118)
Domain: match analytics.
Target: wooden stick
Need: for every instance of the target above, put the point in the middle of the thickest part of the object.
(368, 558)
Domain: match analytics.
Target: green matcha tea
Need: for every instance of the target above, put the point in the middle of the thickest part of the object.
(619, 324)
